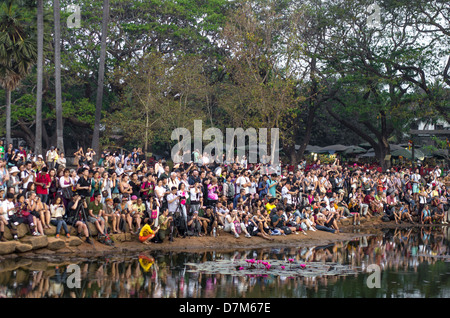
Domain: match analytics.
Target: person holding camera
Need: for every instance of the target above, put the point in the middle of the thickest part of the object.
(233, 224)
(43, 182)
(95, 213)
(75, 218)
(165, 221)
(208, 222)
(196, 195)
(279, 222)
(183, 194)
(57, 211)
(194, 223)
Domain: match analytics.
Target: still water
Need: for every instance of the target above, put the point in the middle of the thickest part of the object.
(412, 262)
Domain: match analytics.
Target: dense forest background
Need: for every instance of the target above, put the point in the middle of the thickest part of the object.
(125, 73)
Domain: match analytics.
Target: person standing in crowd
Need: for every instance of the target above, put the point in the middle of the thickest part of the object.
(43, 182)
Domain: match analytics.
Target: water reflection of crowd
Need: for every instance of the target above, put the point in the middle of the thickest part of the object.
(166, 276)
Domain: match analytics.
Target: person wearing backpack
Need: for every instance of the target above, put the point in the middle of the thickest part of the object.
(228, 189)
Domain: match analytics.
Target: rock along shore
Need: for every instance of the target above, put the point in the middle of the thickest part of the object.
(50, 247)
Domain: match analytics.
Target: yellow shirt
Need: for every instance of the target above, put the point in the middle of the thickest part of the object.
(269, 207)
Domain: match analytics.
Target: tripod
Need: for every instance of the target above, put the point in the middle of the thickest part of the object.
(179, 209)
(81, 211)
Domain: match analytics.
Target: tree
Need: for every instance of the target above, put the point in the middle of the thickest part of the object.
(17, 53)
(374, 98)
(258, 92)
(101, 77)
(58, 99)
(40, 75)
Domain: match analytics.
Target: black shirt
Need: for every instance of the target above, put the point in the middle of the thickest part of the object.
(135, 188)
(83, 182)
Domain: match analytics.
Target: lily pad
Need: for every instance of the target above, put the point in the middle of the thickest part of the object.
(274, 267)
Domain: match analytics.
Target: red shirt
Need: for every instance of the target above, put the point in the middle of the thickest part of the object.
(368, 198)
(41, 178)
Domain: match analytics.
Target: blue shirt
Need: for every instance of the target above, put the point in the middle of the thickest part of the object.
(271, 191)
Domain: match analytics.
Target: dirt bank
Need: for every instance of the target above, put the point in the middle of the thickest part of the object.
(224, 242)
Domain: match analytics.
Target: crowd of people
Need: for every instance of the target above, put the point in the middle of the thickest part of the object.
(125, 193)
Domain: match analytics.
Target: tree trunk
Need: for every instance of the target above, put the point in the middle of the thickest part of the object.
(58, 99)
(8, 118)
(307, 137)
(381, 148)
(101, 76)
(40, 73)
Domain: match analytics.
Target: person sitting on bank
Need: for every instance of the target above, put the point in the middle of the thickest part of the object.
(426, 215)
(164, 225)
(402, 212)
(75, 218)
(57, 211)
(95, 213)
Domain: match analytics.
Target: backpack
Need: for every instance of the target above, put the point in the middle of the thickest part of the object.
(105, 239)
(230, 190)
(237, 226)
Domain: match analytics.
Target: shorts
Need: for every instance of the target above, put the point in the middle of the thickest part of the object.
(415, 188)
(144, 238)
(162, 234)
(93, 220)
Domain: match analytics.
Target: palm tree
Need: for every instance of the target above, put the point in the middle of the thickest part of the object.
(17, 52)
(40, 76)
(101, 76)
(58, 101)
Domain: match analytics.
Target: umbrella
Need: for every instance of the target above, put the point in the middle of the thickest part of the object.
(365, 145)
(335, 148)
(354, 150)
(315, 149)
(406, 153)
(368, 154)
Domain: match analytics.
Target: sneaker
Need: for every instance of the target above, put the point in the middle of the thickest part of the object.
(236, 235)
(57, 235)
(248, 235)
(304, 233)
(88, 240)
(67, 235)
(36, 233)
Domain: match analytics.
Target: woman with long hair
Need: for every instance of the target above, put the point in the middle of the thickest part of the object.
(57, 211)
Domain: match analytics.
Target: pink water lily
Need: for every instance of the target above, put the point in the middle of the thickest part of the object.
(302, 265)
(283, 267)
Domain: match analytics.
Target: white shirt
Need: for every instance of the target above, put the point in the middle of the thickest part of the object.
(195, 196)
(6, 205)
(25, 173)
(174, 204)
(62, 182)
(242, 180)
(285, 194)
(160, 192)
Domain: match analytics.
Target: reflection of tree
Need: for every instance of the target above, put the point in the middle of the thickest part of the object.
(399, 253)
